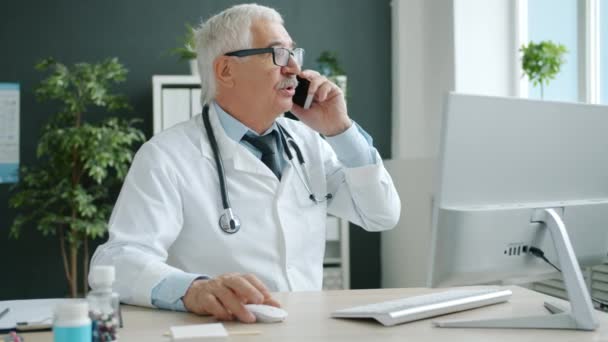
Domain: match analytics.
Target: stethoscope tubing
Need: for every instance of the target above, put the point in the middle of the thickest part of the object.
(304, 179)
(229, 222)
(218, 160)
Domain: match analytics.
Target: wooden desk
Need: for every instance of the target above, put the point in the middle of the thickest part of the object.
(309, 321)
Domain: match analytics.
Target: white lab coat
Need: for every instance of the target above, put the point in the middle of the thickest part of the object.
(166, 217)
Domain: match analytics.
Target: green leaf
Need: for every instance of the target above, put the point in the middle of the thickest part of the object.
(187, 49)
(542, 61)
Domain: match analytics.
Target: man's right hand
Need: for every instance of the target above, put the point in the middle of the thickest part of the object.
(225, 296)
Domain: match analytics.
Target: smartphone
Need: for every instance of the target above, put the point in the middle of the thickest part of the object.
(301, 96)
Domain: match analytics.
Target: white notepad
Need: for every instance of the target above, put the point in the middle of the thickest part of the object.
(206, 332)
(38, 312)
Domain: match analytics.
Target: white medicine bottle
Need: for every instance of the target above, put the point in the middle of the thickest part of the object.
(71, 322)
(104, 304)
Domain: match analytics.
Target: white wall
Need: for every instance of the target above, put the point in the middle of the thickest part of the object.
(486, 47)
(405, 249)
(443, 45)
(438, 46)
(423, 70)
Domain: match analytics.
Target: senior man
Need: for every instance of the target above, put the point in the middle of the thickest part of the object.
(219, 211)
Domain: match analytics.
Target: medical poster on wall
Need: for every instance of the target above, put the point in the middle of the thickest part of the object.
(9, 132)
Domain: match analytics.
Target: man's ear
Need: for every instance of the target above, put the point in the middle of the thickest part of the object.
(223, 68)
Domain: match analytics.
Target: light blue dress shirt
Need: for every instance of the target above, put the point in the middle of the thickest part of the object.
(354, 148)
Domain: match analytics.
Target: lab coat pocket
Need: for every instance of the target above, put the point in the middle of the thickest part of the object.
(306, 229)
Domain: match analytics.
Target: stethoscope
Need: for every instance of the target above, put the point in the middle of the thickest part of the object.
(229, 222)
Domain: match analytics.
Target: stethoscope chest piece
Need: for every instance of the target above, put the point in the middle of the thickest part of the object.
(229, 223)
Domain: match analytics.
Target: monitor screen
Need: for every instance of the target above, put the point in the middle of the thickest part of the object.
(501, 160)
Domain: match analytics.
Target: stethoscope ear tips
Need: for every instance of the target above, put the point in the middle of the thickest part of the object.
(313, 198)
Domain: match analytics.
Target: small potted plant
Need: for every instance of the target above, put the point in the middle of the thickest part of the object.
(187, 50)
(542, 61)
(330, 68)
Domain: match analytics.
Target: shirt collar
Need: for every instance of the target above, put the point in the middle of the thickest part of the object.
(234, 129)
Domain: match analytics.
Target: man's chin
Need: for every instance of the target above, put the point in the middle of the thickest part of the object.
(285, 106)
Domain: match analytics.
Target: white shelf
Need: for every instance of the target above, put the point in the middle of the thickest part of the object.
(181, 93)
(166, 82)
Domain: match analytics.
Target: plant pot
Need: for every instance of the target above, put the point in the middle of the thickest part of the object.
(193, 67)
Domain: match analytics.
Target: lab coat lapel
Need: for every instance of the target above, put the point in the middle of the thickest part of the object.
(232, 153)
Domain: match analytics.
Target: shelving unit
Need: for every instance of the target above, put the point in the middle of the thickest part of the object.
(596, 278)
(176, 98)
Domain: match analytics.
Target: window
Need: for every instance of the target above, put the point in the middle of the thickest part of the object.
(556, 20)
(580, 25)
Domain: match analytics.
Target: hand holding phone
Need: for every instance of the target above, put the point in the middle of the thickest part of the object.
(301, 97)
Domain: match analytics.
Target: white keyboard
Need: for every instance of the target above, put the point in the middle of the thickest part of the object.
(418, 307)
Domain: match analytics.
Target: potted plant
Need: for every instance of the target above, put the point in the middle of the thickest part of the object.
(542, 61)
(70, 192)
(330, 68)
(187, 49)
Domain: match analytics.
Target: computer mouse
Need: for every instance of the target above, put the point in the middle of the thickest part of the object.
(266, 313)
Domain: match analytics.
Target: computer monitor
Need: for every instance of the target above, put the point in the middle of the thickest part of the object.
(504, 162)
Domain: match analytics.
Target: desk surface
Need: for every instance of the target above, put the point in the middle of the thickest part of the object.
(309, 320)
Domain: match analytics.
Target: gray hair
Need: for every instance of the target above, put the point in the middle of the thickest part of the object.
(226, 31)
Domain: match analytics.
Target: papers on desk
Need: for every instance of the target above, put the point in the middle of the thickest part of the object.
(31, 313)
(206, 332)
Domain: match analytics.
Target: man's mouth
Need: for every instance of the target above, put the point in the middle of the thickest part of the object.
(288, 91)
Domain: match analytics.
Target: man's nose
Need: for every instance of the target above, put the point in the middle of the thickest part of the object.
(292, 67)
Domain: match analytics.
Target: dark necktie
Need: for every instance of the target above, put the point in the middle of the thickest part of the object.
(267, 144)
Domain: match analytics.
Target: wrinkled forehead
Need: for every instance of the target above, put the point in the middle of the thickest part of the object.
(265, 33)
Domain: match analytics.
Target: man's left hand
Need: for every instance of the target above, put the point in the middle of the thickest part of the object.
(327, 114)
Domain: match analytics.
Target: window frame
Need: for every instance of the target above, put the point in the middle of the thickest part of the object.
(588, 37)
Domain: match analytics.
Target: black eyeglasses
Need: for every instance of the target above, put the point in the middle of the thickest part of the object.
(280, 56)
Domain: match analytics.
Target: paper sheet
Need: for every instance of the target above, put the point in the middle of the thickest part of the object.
(39, 311)
(9, 132)
(204, 332)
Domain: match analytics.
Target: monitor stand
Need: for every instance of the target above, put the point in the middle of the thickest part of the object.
(580, 315)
